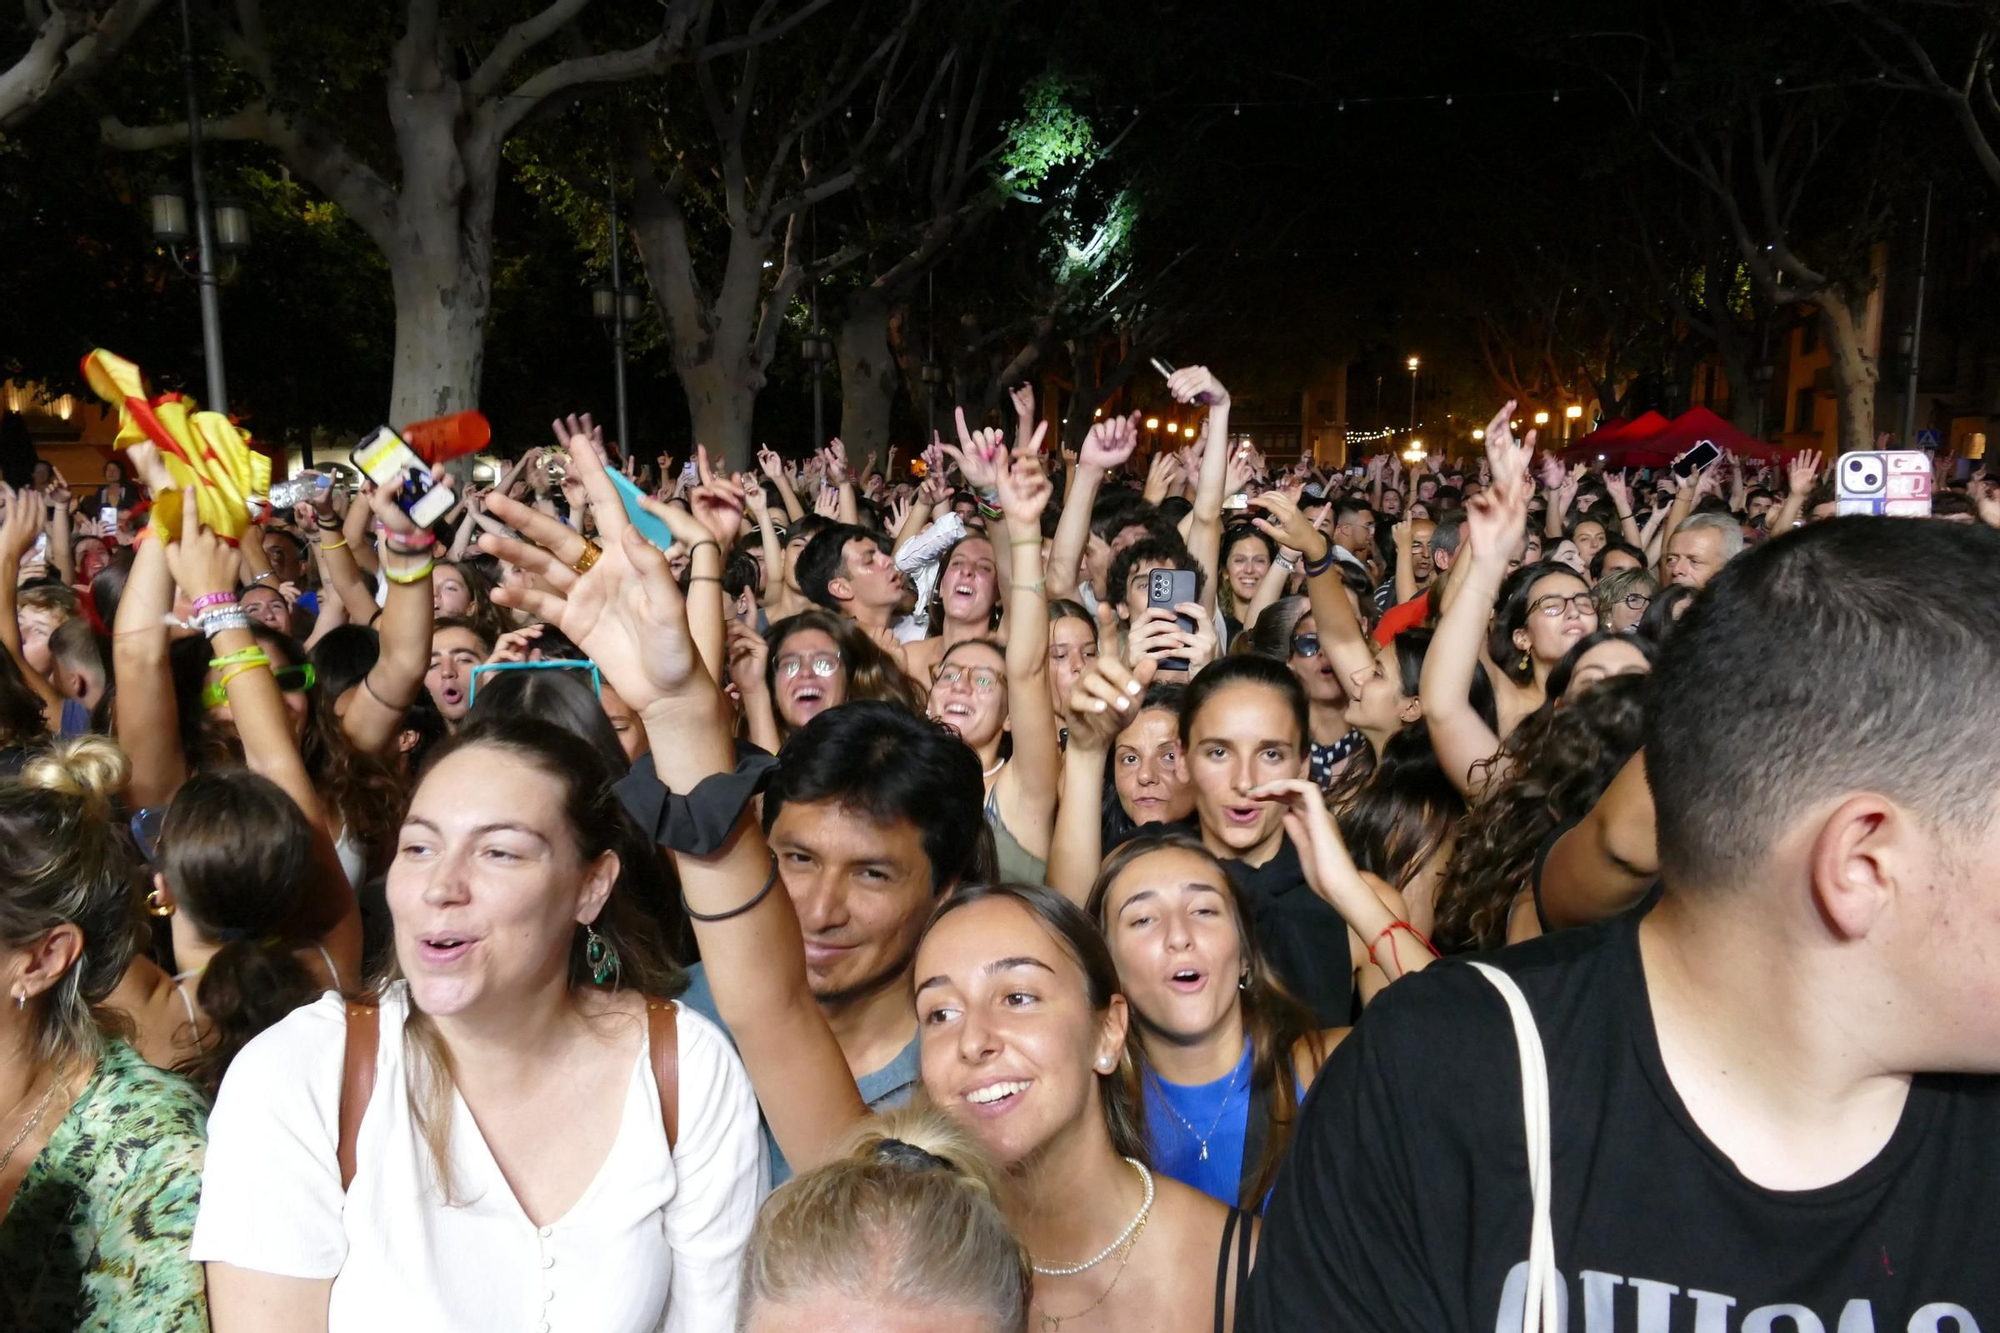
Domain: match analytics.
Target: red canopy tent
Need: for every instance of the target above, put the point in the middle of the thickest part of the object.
(1622, 443)
(1698, 424)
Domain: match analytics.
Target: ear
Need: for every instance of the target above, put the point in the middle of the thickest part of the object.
(165, 890)
(1111, 1036)
(598, 879)
(1867, 853)
(840, 589)
(43, 964)
(1521, 640)
(1412, 709)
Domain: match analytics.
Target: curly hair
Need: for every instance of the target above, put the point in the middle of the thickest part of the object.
(1562, 760)
(871, 673)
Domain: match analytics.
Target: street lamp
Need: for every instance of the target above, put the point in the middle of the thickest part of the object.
(615, 305)
(1541, 418)
(1413, 363)
(1152, 423)
(1478, 433)
(225, 230)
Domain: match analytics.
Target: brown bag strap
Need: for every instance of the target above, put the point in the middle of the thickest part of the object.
(357, 1081)
(663, 1032)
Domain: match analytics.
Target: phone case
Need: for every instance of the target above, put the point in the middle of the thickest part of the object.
(651, 528)
(1894, 483)
(1169, 588)
(382, 457)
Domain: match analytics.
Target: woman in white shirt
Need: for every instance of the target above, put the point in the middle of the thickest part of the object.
(512, 1168)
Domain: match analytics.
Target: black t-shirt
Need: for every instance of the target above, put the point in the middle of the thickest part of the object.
(1304, 939)
(1404, 1201)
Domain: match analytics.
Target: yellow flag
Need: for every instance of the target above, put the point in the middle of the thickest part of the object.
(200, 449)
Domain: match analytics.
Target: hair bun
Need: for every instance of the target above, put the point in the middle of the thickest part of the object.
(90, 769)
(911, 1157)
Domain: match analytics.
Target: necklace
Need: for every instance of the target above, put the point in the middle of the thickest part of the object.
(1203, 1139)
(36, 1118)
(1139, 1220)
(996, 768)
(1052, 1323)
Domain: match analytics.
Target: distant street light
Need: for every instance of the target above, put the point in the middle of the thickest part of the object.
(1152, 423)
(1413, 363)
(1571, 415)
(1541, 418)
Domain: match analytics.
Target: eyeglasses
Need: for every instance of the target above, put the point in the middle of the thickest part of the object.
(145, 826)
(291, 679)
(1305, 645)
(1556, 604)
(820, 664)
(551, 664)
(983, 679)
(1636, 601)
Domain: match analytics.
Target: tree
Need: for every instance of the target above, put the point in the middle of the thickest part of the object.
(1904, 52)
(440, 104)
(71, 42)
(1765, 121)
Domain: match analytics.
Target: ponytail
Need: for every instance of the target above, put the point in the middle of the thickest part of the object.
(247, 986)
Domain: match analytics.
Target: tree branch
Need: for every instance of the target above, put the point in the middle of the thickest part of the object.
(53, 62)
(520, 39)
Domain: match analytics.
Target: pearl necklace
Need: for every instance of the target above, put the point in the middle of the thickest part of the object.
(1071, 1270)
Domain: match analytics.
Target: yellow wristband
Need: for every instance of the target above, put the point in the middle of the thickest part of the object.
(417, 575)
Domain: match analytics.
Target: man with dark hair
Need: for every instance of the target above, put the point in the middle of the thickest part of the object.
(1353, 530)
(77, 668)
(872, 814)
(1127, 578)
(1770, 1098)
(849, 570)
(1445, 541)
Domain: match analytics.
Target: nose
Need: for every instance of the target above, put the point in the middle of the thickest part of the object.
(819, 896)
(1179, 937)
(1242, 778)
(977, 1041)
(448, 882)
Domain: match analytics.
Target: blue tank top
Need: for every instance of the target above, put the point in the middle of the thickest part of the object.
(1178, 1118)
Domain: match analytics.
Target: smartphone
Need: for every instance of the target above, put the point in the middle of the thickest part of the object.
(383, 457)
(1697, 458)
(1169, 588)
(1893, 482)
(649, 526)
(38, 554)
(107, 518)
(1166, 372)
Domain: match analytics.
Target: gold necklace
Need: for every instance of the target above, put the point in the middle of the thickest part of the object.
(33, 1119)
(1052, 1323)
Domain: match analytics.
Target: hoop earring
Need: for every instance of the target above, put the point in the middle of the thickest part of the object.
(602, 958)
(157, 904)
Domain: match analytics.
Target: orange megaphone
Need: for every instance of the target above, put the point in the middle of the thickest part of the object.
(443, 438)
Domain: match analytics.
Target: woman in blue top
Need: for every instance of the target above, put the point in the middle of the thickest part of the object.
(1222, 1036)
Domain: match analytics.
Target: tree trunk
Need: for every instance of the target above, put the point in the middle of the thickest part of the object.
(722, 411)
(868, 376)
(441, 309)
(1854, 370)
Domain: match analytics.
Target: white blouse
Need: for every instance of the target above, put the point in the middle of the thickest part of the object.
(652, 1245)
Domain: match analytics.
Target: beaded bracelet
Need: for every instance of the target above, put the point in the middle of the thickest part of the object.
(217, 622)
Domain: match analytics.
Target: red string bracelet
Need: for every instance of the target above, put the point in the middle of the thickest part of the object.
(1389, 930)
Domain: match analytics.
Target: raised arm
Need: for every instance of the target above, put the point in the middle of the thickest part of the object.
(1800, 474)
(1105, 449)
(1606, 863)
(374, 717)
(1105, 698)
(626, 612)
(24, 522)
(62, 546)
(1341, 635)
(774, 468)
(1621, 504)
(1194, 384)
(1027, 789)
(1402, 534)
(206, 568)
(837, 474)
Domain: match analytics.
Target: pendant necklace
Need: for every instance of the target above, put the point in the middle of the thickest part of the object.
(1203, 1139)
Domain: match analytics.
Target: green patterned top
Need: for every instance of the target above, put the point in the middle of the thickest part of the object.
(97, 1238)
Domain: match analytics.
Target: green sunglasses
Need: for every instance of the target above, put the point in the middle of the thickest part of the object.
(291, 679)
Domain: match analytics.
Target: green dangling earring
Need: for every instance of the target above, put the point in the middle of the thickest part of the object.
(603, 959)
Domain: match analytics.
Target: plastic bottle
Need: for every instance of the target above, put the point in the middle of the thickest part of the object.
(443, 438)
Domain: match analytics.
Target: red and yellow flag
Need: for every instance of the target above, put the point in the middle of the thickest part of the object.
(200, 449)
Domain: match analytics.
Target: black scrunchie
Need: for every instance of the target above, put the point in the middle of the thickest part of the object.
(910, 1157)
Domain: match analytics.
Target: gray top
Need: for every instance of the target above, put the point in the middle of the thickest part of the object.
(885, 1089)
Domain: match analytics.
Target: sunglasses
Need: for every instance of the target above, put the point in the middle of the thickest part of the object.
(1305, 645)
(554, 664)
(291, 679)
(145, 826)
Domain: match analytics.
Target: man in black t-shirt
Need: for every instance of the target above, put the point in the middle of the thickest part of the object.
(1772, 1106)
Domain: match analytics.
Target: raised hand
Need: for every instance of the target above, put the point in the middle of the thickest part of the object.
(899, 511)
(1024, 485)
(748, 654)
(1507, 456)
(26, 520)
(1284, 524)
(1242, 467)
(566, 429)
(515, 644)
(1023, 397)
(1106, 696)
(1620, 491)
(624, 610)
(768, 462)
(1496, 518)
(835, 458)
(1163, 475)
(717, 501)
(1194, 384)
(201, 562)
(1109, 443)
(826, 502)
(1329, 870)
(979, 453)
(1802, 472)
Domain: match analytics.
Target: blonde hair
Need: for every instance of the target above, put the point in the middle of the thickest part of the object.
(907, 1213)
(63, 861)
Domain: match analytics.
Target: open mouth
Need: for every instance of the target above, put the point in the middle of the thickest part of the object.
(956, 712)
(1187, 980)
(1243, 816)
(997, 1098)
(451, 695)
(808, 696)
(443, 949)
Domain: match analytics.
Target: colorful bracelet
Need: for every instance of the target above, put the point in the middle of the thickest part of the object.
(253, 656)
(417, 575)
(214, 599)
(1314, 568)
(215, 624)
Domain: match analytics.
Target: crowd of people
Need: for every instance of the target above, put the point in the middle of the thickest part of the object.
(981, 891)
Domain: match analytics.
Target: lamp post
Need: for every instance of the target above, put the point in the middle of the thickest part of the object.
(616, 306)
(1915, 333)
(1571, 415)
(1413, 363)
(225, 230)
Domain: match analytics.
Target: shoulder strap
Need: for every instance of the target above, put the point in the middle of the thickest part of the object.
(357, 1081)
(1222, 1267)
(663, 1034)
(1256, 1133)
(1538, 1306)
